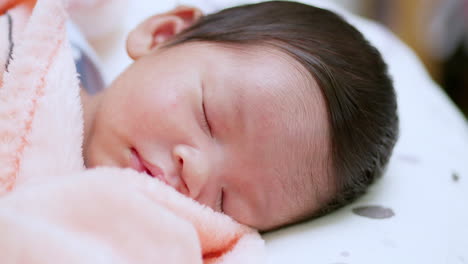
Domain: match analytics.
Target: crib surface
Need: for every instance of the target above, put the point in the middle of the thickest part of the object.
(417, 213)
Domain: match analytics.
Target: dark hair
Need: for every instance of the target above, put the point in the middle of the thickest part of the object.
(349, 71)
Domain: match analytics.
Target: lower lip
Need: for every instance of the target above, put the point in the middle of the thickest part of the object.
(155, 171)
(140, 165)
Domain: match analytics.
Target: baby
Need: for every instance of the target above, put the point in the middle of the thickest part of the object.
(272, 113)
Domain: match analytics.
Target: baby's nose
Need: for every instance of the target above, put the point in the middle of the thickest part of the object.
(193, 168)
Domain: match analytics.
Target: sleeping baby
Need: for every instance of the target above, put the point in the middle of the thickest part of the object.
(271, 113)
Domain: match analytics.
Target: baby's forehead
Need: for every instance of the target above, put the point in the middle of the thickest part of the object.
(269, 75)
(291, 119)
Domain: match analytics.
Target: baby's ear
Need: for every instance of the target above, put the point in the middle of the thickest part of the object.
(154, 31)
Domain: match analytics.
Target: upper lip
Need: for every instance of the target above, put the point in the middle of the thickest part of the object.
(141, 165)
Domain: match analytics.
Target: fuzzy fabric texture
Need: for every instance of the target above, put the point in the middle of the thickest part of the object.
(52, 209)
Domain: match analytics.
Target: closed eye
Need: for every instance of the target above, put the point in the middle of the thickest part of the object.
(205, 121)
(220, 201)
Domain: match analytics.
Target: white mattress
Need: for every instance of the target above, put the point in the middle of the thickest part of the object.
(426, 185)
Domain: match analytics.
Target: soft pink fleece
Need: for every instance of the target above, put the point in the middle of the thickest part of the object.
(53, 210)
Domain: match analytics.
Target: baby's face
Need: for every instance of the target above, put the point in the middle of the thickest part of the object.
(237, 129)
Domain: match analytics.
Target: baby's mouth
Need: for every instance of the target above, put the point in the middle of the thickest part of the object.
(140, 165)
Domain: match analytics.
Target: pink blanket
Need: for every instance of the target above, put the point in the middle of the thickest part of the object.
(53, 210)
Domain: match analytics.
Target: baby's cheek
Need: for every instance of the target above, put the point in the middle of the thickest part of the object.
(166, 101)
(160, 113)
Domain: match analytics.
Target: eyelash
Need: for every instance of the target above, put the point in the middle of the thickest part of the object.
(205, 122)
(220, 201)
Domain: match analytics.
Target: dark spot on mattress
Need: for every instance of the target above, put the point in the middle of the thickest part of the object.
(455, 177)
(461, 259)
(344, 254)
(374, 211)
(409, 159)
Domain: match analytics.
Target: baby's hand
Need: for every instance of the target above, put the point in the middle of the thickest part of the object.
(98, 216)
